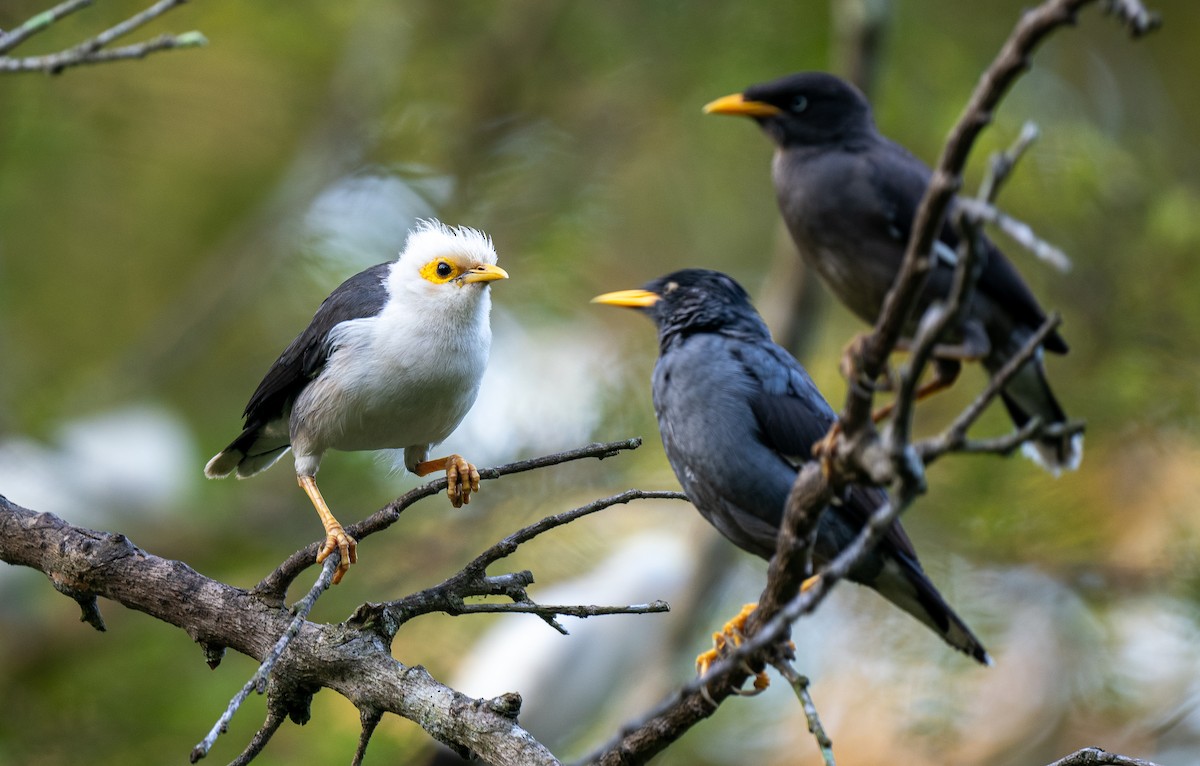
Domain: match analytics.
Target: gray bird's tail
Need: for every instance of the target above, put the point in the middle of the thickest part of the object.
(255, 450)
(1028, 394)
(905, 585)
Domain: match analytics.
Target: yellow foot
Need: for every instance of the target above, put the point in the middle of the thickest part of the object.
(462, 478)
(732, 635)
(337, 540)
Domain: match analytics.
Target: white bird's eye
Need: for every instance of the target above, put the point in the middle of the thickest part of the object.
(439, 270)
(799, 104)
(670, 287)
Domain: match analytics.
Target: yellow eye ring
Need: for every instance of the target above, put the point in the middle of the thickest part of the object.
(439, 271)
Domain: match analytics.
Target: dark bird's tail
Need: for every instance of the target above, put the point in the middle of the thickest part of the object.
(1028, 394)
(256, 449)
(904, 584)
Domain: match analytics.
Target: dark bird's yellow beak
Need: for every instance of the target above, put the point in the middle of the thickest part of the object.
(484, 273)
(737, 104)
(638, 299)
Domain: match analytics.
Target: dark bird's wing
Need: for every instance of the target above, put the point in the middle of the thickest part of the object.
(792, 416)
(362, 295)
(901, 180)
(791, 413)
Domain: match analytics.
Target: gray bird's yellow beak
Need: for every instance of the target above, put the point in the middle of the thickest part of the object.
(638, 299)
(736, 103)
(484, 273)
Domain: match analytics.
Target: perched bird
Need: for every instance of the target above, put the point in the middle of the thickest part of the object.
(738, 416)
(848, 196)
(392, 359)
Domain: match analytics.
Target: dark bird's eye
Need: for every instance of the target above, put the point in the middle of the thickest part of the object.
(799, 104)
(443, 269)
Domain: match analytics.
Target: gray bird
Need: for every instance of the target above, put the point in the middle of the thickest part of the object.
(848, 196)
(738, 416)
(391, 360)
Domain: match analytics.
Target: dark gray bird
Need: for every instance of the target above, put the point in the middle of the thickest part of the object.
(391, 360)
(848, 196)
(738, 416)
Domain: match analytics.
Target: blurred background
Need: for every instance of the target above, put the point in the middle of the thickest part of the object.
(167, 226)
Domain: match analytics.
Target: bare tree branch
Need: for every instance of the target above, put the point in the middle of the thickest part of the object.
(1002, 164)
(858, 452)
(258, 681)
(370, 719)
(356, 662)
(799, 685)
(274, 586)
(1012, 61)
(95, 49)
(472, 580)
(1018, 231)
(43, 20)
(275, 719)
(1094, 756)
(352, 658)
(954, 437)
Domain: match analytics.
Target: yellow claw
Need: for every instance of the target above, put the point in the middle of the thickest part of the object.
(732, 635)
(335, 536)
(462, 478)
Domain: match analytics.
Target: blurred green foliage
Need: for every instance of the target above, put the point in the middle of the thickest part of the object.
(156, 246)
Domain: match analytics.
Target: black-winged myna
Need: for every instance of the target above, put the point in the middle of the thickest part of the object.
(738, 415)
(391, 360)
(848, 196)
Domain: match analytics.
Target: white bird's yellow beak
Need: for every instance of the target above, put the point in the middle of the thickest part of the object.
(486, 272)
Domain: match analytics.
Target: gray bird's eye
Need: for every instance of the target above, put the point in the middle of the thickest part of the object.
(443, 269)
(799, 104)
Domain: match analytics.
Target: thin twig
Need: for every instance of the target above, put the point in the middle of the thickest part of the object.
(799, 685)
(1010, 443)
(564, 610)
(274, 586)
(1018, 231)
(1002, 164)
(1134, 16)
(128, 25)
(509, 545)
(953, 438)
(641, 740)
(275, 719)
(472, 580)
(43, 20)
(258, 681)
(94, 49)
(370, 719)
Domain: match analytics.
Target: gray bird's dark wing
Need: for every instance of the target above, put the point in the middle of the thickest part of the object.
(362, 295)
(792, 416)
(901, 179)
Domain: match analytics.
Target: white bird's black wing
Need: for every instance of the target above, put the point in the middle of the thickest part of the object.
(362, 295)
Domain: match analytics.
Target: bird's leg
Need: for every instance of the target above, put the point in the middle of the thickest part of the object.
(732, 635)
(462, 478)
(945, 372)
(335, 536)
